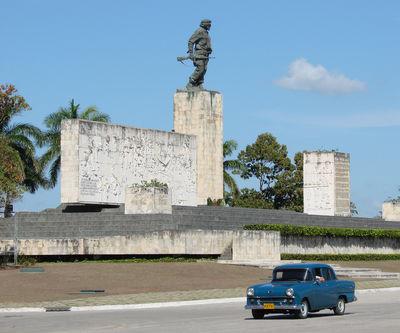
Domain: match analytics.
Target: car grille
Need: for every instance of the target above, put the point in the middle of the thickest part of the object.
(276, 300)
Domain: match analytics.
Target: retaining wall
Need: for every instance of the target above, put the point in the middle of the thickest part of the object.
(338, 245)
(245, 244)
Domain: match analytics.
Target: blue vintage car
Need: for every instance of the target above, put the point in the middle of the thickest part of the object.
(299, 289)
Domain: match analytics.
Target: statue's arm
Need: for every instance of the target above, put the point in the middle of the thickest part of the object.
(192, 41)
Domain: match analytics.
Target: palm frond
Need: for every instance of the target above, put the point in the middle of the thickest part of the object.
(93, 114)
(53, 120)
(54, 171)
(23, 143)
(229, 147)
(26, 130)
(231, 184)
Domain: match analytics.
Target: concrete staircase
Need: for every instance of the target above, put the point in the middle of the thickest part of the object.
(89, 221)
(367, 273)
(348, 272)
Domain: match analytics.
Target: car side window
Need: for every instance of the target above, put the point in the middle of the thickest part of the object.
(321, 274)
(331, 274)
(309, 276)
(325, 273)
(317, 271)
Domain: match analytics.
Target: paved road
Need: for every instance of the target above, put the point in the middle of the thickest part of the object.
(378, 312)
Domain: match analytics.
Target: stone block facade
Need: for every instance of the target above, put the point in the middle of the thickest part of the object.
(99, 160)
(200, 114)
(391, 210)
(147, 200)
(326, 183)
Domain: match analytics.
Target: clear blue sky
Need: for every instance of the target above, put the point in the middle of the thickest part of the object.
(121, 57)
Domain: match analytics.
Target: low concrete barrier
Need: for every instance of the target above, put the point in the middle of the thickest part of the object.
(245, 244)
(256, 245)
(338, 245)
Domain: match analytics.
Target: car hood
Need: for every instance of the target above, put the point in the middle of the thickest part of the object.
(273, 289)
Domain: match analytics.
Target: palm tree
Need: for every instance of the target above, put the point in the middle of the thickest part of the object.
(17, 141)
(52, 156)
(230, 165)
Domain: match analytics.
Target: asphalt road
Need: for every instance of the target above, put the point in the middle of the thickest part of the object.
(378, 312)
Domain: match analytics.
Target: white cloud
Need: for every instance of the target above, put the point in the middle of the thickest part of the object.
(305, 76)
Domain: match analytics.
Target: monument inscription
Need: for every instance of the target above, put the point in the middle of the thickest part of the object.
(100, 160)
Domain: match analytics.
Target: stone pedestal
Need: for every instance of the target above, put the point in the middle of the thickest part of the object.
(147, 200)
(200, 114)
(391, 211)
(327, 183)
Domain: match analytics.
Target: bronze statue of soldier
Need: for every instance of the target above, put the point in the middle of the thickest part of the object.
(199, 50)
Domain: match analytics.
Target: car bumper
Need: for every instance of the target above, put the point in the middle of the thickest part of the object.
(277, 307)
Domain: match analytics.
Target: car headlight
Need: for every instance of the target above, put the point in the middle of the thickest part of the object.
(289, 292)
(250, 292)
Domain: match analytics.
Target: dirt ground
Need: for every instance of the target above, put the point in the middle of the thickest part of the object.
(65, 280)
(384, 265)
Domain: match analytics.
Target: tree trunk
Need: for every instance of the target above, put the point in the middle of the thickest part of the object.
(8, 207)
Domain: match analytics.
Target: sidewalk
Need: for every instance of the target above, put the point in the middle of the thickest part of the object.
(157, 297)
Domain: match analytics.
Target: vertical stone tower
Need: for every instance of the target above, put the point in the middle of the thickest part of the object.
(391, 210)
(200, 113)
(326, 183)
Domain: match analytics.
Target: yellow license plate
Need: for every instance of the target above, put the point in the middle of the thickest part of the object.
(269, 306)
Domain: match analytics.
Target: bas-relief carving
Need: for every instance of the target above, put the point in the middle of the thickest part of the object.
(112, 157)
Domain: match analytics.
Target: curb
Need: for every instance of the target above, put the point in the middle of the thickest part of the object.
(373, 291)
(159, 305)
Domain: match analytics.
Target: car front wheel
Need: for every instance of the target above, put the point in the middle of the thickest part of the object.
(340, 307)
(258, 314)
(303, 313)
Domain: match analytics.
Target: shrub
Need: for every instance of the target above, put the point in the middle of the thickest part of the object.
(339, 257)
(294, 230)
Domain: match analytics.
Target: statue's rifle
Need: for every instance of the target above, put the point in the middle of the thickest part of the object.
(193, 58)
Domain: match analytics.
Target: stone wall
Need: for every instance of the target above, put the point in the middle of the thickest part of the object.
(200, 114)
(391, 211)
(147, 200)
(342, 184)
(246, 245)
(338, 245)
(256, 245)
(326, 183)
(100, 160)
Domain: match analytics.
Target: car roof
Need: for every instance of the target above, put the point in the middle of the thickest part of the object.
(302, 266)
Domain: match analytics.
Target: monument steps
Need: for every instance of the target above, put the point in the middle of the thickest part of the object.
(56, 224)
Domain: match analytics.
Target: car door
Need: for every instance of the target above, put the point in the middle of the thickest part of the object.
(321, 290)
(330, 285)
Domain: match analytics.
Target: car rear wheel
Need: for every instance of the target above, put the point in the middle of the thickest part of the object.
(303, 312)
(258, 314)
(340, 307)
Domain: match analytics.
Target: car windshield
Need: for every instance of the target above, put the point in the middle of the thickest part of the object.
(292, 274)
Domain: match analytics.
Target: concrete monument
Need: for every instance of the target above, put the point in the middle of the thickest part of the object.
(147, 200)
(327, 183)
(100, 160)
(200, 114)
(391, 210)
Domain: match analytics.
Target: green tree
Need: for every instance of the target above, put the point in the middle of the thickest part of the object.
(288, 189)
(250, 198)
(266, 160)
(11, 175)
(231, 190)
(20, 169)
(52, 157)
